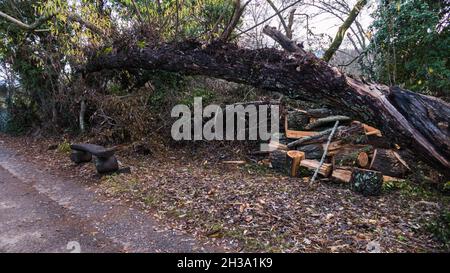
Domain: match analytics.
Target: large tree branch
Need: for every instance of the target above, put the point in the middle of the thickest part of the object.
(237, 14)
(286, 27)
(76, 18)
(41, 20)
(27, 27)
(415, 121)
(342, 29)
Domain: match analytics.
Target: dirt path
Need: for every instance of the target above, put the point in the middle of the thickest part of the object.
(40, 212)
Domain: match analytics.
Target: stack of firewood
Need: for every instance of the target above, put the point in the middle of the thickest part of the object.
(357, 154)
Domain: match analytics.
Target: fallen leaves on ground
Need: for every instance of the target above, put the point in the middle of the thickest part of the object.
(250, 208)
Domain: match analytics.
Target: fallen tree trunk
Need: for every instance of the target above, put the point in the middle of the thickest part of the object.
(412, 120)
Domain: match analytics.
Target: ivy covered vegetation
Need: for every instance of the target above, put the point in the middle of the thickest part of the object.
(411, 46)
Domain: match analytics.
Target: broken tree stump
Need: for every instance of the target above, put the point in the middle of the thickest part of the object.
(389, 163)
(294, 159)
(324, 170)
(366, 182)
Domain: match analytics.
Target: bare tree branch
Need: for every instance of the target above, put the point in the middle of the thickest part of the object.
(341, 32)
(287, 30)
(238, 10)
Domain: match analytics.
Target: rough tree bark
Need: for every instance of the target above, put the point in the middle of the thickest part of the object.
(415, 121)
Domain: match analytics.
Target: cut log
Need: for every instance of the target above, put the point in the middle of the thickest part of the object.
(293, 134)
(389, 163)
(372, 131)
(277, 146)
(342, 175)
(352, 155)
(334, 147)
(294, 158)
(318, 138)
(363, 160)
(278, 159)
(319, 113)
(387, 178)
(346, 134)
(366, 182)
(324, 121)
(312, 151)
(325, 169)
(417, 120)
(297, 120)
(379, 142)
(299, 134)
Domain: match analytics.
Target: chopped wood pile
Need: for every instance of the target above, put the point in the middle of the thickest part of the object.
(357, 154)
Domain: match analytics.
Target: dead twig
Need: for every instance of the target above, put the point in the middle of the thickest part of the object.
(322, 160)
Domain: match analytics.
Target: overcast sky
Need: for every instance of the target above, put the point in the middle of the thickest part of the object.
(325, 23)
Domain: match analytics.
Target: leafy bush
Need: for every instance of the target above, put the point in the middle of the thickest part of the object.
(21, 116)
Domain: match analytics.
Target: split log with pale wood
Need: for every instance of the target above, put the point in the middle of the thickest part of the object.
(324, 170)
(342, 175)
(294, 160)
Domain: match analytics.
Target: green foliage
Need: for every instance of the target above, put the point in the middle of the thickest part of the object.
(440, 228)
(411, 47)
(180, 19)
(446, 186)
(64, 147)
(206, 95)
(408, 188)
(22, 116)
(166, 85)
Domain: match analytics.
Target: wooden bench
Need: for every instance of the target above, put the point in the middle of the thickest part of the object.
(105, 161)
